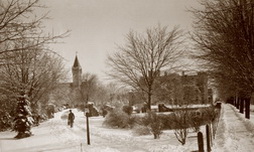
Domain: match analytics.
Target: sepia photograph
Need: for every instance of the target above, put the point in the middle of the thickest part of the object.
(126, 75)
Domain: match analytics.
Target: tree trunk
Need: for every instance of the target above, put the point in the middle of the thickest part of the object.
(237, 103)
(242, 100)
(149, 101)
(247, 108)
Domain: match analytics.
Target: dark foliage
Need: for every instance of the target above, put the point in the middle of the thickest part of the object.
(127, 109)
(5, 121)
(194, 119)
(105, 109)
(23, 121)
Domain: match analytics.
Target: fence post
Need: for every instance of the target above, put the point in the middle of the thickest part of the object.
(208, 138)
(87, 128)
(200, 142)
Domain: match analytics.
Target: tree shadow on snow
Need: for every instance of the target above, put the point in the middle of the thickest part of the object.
(8, 138)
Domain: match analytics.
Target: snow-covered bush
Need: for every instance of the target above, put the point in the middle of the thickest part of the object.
(117, 118)
(141, 130)
(23, 121)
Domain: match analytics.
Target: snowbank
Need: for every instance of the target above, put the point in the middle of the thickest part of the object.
(221, 139)
(234, 132)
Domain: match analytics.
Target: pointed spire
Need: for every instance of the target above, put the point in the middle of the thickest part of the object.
(76, 72)
(76, 62)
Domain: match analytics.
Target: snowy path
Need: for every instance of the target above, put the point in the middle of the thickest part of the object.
(54, 136)
(235, 137)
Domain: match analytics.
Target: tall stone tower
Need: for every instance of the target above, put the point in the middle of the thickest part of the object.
(76, 73)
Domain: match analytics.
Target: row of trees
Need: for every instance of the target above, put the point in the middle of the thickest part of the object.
(224, 36)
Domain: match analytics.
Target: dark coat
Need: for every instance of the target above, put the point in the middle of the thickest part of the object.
(71, 117)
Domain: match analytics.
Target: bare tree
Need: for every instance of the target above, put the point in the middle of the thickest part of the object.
(18, 22)
(181, 118)
(100, 97)
(33, 72)
(113, 93)
(88, 87)
(139, 62)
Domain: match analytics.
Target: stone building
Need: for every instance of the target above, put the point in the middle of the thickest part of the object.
(175, 89)
(69, 93)
(195, 88)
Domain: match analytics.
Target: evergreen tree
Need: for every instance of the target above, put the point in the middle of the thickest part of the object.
(23, 120)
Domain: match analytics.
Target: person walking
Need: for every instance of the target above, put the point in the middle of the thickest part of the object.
(71, 118)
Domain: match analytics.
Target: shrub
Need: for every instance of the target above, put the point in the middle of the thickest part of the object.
(105, 109)
(181, 135)
(145, 120)
(141, 130)
(202, 117)
(155, 124)
(117, 118)
(195, 120)
(209, 114)
(167, 121)
(127, 109)
(81, 107)
(5, 123)
(135, 120)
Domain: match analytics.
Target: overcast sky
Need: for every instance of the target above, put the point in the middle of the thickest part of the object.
(98, 26)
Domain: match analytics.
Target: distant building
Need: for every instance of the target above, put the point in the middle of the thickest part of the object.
(178, 89)
(69, 93)
(76, 73)
(195, 88)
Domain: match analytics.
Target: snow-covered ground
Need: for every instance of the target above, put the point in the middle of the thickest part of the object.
(55, 136)
(235, 133)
